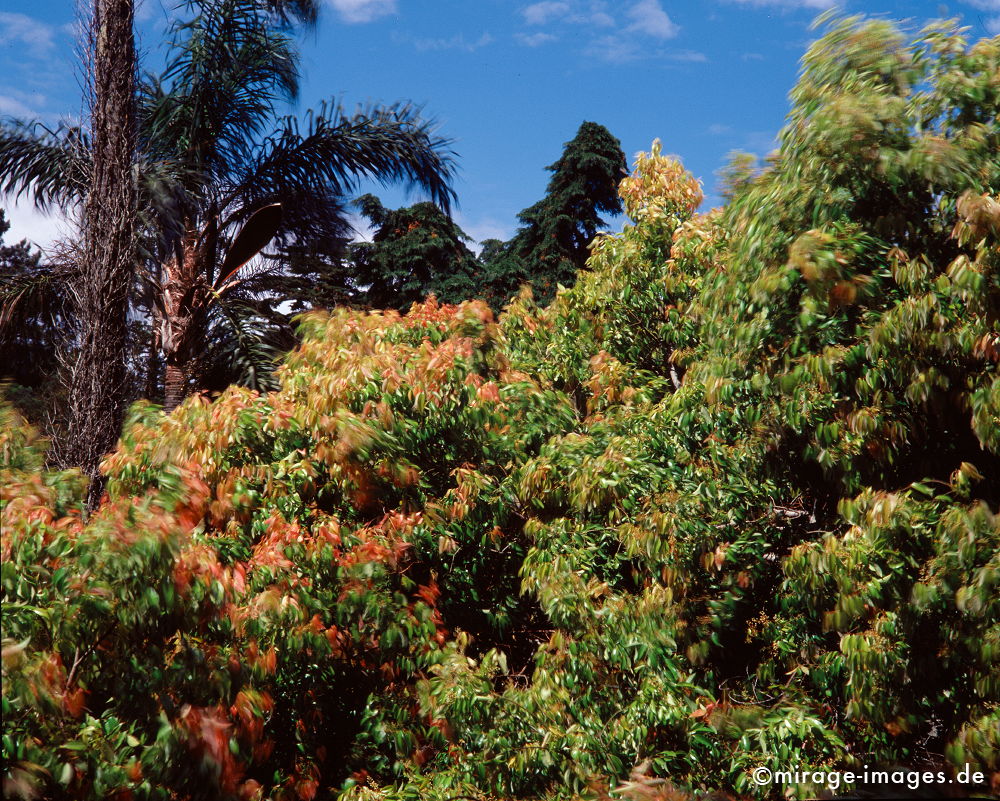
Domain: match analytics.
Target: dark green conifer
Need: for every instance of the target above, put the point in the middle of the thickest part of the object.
(416, 251)
(552, 244)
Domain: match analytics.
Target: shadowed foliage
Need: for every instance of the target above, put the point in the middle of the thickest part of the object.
(414, 252)
(551, 246)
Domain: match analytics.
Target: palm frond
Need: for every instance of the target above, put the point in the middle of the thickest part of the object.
(36, 320)
(254, 235)
(333, 151)
(218, 93)
(318, 217)
(289, 12)
(168, 194)
(39, 292)
(280, 12)
(52, 166)
(244, 348)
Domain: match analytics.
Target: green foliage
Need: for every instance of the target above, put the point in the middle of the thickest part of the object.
(551, 246)
(33, 309)
(414, 252)
(214, 149)
(729, 501)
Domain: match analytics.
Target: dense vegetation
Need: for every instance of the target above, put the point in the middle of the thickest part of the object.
(418, 251)
(552, 244)
(729, 501)
(28, 327)
(414, 252)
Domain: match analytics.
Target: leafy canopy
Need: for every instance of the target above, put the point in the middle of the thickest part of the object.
(414, 252)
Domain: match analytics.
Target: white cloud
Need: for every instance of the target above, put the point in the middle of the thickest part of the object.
(717, 129)
(483, 229)
(457, 42)
(36, 35)
(544, 12)
(26, 222)
(591, 14)
(622, 48)
(361, 228)
(534, 39)
(363, 10)
(647, 20)
(615, 49)
(12, 107)
(648, 17)
(631, 37)
(993, 26)
(691, 56)
(33, 105)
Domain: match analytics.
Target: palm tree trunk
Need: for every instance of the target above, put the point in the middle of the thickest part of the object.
(98, 377)
(174, 386)
(183, 317)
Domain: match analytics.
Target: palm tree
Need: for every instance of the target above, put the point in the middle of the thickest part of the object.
(222, 174)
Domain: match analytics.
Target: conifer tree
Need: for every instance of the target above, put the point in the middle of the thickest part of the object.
(552, 243)
(416, 251)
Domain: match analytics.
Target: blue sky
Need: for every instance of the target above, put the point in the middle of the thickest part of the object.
(510, 81)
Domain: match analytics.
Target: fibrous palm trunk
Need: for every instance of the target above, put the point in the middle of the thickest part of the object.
(153, 362)
(98, 390)
(175, 383)
(182, 325)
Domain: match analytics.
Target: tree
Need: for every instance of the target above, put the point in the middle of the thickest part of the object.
(217, 188)
(522, 559)
(415, 252)
(736, 174)
(97, 380)
(241, 190)
(552, 244)
(503, 273)
(22, 337)
(33, 310)
(38, 334)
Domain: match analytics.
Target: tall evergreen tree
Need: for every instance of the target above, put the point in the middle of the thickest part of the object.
(551, 245)
(415, 252)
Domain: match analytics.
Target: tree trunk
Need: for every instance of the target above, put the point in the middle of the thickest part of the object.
(182, 326)
(174, 386)
(98, 390)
